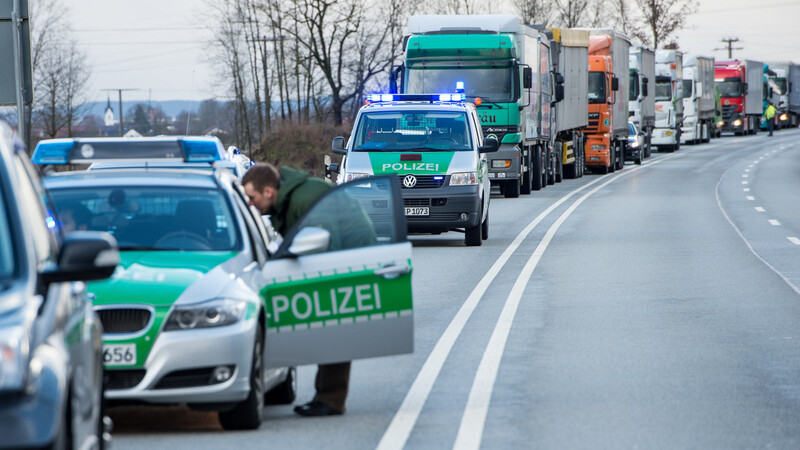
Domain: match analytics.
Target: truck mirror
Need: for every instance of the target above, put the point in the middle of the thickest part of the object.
(333, 167)
(337, 146)
(645, 82)
(527, 78)
(489, 145)
(559, 93)
(559, 78)
(614, 84)
(745, 88)
(393, 75)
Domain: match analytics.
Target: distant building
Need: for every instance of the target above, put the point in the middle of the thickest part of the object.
(109, 119)
(132, 134)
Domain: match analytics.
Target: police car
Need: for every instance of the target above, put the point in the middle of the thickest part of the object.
(435, 145)
(201, 311)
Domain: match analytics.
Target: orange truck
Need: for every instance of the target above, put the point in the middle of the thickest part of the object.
(607, 132)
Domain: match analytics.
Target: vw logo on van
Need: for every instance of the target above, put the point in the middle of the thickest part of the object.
(410, 181)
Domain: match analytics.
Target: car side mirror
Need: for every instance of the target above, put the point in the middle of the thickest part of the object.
(310, 240)
(337, 146)
(490, 145)
(527, 77)
(614, 84)
(84, 256)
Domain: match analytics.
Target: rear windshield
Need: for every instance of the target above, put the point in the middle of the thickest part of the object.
(396, 131)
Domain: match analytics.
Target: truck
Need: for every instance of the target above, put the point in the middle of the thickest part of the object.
(503, 66)
(787, 82)
(609, 74)
(641, 102)
(699, 102)
(569, 50)
(741, 95)
(668, 95)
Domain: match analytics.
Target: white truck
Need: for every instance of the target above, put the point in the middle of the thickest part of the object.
(787, 80)
(668, 95)
(641, 102)
(699, 102)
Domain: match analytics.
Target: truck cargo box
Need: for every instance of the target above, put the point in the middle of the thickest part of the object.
(643, 59)
(754, 100)
(570, 51)
(701, 70)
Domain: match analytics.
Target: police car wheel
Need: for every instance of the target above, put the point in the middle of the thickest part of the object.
(285, 392)
(485, 229)
(248, 414)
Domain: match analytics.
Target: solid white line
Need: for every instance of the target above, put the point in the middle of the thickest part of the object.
(750, 197)
(774, 222)
(399, 429)
(759, 209)
(794, 240)
(473, 421)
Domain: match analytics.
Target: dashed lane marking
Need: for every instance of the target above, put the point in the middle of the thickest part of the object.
(750, 197)
(794, 240)
(774, 222)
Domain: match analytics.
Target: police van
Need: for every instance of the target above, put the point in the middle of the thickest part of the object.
(435, 145)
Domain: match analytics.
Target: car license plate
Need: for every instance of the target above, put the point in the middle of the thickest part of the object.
(119, 354)
(417, 211)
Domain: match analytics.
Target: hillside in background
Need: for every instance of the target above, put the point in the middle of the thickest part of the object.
(170, 107)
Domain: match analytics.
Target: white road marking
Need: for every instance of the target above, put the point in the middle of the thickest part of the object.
(744, 182)
(744, 176)
(746, 189)
(774, 222)
(759, 209)
(750, 197)
(473, 421)
(747, 170)
(794, 240)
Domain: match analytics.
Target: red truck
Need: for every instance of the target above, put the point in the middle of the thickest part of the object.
(741, 97)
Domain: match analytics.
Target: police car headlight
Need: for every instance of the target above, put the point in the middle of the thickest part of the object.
(13, 358)
(354, 176)
(463, 178)
(208, 314)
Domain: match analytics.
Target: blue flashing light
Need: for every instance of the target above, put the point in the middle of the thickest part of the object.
(52, 152)
(51, 223)
(438, 178)
(202, 150)
(374, 97)
(387, 97)
(459, 86)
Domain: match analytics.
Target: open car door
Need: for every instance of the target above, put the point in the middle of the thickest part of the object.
(339, 287)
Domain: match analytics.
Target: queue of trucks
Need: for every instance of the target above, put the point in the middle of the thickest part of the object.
(559, 101)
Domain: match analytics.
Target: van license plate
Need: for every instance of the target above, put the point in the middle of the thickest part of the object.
(417, 211)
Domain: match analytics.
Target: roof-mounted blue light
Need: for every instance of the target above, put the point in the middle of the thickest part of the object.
(202, 150)
(54, 151)
(92, 150)
(383, 98)
(459, 86)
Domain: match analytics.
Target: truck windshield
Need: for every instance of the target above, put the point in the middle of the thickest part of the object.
(490, 84)
(729, 88)
(597, 87)
(663, 91)
(397, 131)
(781, 84)
(687, 88)
(6, 243)
(633, 91)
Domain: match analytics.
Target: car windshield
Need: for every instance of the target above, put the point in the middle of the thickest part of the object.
(597, 87)
(152, 217)
(7, 260)
(397, 131)
(729, 88)
(633, 89)
(491, 84)
(663, 91)
(631, 130)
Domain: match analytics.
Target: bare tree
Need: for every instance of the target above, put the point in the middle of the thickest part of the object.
(535, 11)
(571, 13)
(663, 18)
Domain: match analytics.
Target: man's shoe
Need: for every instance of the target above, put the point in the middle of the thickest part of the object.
(314, 409)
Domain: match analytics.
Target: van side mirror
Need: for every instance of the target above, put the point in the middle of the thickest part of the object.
(527, 77)
(645, 81)
(490, 145)
(337, 146)
(614, 84)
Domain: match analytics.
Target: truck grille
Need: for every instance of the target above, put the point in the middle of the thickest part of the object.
(728, 111)
(124, 320)
(424, 181)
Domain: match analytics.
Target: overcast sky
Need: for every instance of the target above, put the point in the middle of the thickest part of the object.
(160, 47)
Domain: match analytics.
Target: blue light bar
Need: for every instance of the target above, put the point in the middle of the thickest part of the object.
(52, 152)
(438, 178)
(383, 98)
(459, 86)
(202, 150)
(92, 150)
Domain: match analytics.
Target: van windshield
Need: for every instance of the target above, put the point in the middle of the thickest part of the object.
(397, 131)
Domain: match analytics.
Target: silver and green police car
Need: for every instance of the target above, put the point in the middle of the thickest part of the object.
(435, 145)
(202, 309)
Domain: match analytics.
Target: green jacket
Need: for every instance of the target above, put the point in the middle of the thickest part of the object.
(296, 193)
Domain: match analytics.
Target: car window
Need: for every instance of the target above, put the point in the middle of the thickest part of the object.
(7, 264)
(39, 221)
(254, 234)
(152, 217)
(357, 214)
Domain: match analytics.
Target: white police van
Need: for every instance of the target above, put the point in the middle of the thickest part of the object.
(434, 143)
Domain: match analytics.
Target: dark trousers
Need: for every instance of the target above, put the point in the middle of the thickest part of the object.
(332, 383)
(770, 125)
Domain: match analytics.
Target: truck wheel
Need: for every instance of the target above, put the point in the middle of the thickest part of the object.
(570, 170)
(511, 189)
(526, 180)
(602, 169)
(248, 414)
(551, 170)
(536, 176)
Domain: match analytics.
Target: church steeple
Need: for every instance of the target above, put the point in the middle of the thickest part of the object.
(108, 118)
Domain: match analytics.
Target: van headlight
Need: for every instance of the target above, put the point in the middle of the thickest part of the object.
(14, 351)
(463, 178)
(207, 314)
(351, 176)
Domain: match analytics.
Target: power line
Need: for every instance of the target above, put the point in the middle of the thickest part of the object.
(730, 48)
(123, 30)
(747, 8)
(119, 90)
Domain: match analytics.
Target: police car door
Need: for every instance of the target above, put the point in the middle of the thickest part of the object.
(339, 288)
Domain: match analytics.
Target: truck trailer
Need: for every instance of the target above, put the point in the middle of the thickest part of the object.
(741, 95)
(641, 101)
(609, 74)
(668, 95)
(699, 103)
(787, 81)
(504, 67)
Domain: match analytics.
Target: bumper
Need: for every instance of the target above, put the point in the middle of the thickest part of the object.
(632, 154)
(507, 152)
(195, 349)
(690, 133)
(664, 136)
(33, 419)
(457, 200)
(598, 157)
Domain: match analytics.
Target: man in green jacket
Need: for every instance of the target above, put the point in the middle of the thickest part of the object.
(285, 196)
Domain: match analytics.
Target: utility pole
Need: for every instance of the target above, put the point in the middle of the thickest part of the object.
(18, 73)
(119, 90)
(730, 48)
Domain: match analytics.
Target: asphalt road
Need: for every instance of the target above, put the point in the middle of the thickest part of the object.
(657, 307)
